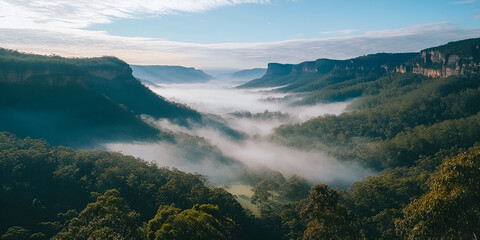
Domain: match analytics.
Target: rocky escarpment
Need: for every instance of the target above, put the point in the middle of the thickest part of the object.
(279, 69)
(452, 59)
(16, 67)
(79, 102)
(373, 62)
(284, 74)
(438, 64)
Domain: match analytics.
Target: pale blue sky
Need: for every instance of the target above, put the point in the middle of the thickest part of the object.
(300, 19)
(233, 33)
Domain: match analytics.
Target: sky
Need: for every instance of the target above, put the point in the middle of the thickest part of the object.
(215, 34)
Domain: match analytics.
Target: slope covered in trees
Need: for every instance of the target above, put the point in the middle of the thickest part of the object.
(43, 188)
(421, 133)
(326, 80)
(404, 116)
(405, 125)
(169, 74)
(308, 76)
(78, 102)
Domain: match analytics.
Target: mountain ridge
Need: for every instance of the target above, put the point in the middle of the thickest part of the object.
(454, 58)
(282, 74)
(79, 101)
(169, 74)
(252, 73)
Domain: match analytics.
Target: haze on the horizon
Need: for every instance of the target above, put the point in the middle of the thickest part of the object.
(256, 151)
(233, 33)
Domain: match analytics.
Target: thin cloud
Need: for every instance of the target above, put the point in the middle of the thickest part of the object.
(64, 14)
(464, 2)
(146, 51)
(344, 31)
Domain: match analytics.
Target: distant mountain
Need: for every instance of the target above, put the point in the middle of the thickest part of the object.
(326, 71)
(169, 74)
(452, 59)
(326, 80)
(250, 74)
(78, 102)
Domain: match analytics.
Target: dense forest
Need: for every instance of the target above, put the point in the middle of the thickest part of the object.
(61, 193)
(420, 133)
(413, 128)
(92, 99)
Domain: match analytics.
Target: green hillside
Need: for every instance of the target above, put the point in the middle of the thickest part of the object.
(326, 80)
(78, 102)
(406, 126)
(44, 189)
(416, 128)
(323, 72)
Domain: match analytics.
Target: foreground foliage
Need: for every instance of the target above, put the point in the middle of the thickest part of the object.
(421, 134)
(43, 188)
(451, 208)
(202, 222)
(108, 218)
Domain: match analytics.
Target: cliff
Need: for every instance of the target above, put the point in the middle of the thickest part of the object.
(452, 59)
(324, 71)
(78, 101)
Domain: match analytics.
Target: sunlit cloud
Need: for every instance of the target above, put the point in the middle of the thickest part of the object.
(58, 27)
(137, 50)
(65, 14)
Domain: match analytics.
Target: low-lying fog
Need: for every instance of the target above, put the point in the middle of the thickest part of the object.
(221, 97)
(232, 156)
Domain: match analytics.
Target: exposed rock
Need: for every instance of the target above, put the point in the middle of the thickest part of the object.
(279, 69)
(453, 59)
(401, 69)
(433, 57)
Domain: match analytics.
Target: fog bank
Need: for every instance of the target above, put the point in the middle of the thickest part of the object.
(254, 112)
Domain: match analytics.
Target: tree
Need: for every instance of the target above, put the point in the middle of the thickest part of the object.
(451, 209)
(108, 218)
(202, 222)
(16, 233)
(326, 217)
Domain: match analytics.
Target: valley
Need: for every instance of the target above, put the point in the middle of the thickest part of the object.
(381, 146)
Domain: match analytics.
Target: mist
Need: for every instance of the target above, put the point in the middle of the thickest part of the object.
(221, 97)
(253, 112)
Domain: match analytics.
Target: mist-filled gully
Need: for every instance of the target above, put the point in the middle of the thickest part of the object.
(228, 158)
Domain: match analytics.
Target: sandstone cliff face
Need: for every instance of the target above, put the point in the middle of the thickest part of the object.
(453, 59)
(279, 69)
(62, 76)
(437, 64)
(375, 62)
